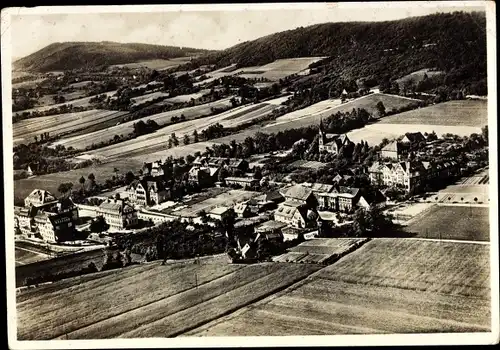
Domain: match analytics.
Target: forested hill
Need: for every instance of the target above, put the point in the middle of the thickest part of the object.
(76, 55)
(446, 41)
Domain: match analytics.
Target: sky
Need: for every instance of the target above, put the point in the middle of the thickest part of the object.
(193, 28)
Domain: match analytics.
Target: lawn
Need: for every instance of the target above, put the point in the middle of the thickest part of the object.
(386, 286)
(453, 222)
(157, 64)
(453, 113)
(148, 300)
(280, 68)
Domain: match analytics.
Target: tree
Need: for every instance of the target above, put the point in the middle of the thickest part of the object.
(81, 181)
(98, 225)
(129, 177)
(380, 109)
(195, 136)
(91, 177)
(174, 138)
(64, 188)
(257, 173)
(186, 139)
(484, 133)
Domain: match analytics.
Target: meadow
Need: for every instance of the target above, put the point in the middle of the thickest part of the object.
(473, 113)
(418, 76)
(148, 300)
(386, 286)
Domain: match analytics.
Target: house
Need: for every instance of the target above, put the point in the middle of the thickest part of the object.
(295, 214)
(203, 176)
(300, 194)
(242, 210)
(219, 213)
(267, 201)
(408, 175)
(412, 138)
(241, 181)
(148, 192)
(117, 213)
(270, 230)
(218, 162)
(395, 150)
(39, 198)
(332, 143)
(342, 199)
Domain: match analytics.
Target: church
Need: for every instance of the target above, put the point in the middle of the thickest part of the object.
(331, 143)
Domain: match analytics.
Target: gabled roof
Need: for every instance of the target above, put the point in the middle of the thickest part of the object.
(394, 146)
(115, 205)
(297, 192)
(318, 187)
(415, 137)
(273, 196)
(218, 210)
(240, 207)
(269, 226)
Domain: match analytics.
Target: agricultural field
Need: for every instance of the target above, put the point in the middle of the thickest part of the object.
(81, 102)
(469, 223)
(467, 113)
(148, 97)
(308, 164)
(28, 84)
(24, 131)
(148, 300)
(278, 69)
(157, 64)
(386, 286)
(80, 84)
(375, 133)
(418, 76)
(313, 114)
(191, 113)
(228, 199)
(185, 98)
(319, 250)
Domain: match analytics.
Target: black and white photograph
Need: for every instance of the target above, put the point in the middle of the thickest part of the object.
(250, 174)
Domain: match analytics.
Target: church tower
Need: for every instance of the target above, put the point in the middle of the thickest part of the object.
(322, 137)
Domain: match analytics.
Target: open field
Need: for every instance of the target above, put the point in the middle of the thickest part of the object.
(82, 141)
(80, 84)
(278, 69)
(452, 113)
(157, 64)
(28, 84)
(452, 222)
(50, 182)
(418, 76)
(158, 140)
(386, 286)
(148, 97)
(227, 199)
(319, 250)
(81, 102)
(148, 300)
(25, 130)
(375, 133)
(313, 114)
(186, 98)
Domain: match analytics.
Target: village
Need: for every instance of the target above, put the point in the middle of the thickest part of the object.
(246, 201)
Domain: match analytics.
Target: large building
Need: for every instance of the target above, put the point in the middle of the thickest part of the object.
(332, 143)
(148, 192)
(348, 199)
(233, 164)
(300, 194)
(394, 151)
(46, 218)
(117, 213)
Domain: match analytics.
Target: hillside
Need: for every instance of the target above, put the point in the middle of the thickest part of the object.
(76, 55)
(375, 51)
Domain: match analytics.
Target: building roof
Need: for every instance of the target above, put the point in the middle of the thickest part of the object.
(415, 137)
(241, 179)
(318, 187)
(114, 205)
(339, 140)
(273, 196)
(218, 210)
(394, 146)
(297, 192)
(269, 226)
(42, 196)
(240, 207)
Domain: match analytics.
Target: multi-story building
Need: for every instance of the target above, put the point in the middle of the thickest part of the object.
(45, 218)
(300, 194)
(148, 192)
(394, 151)
(295, 214)
(410, 175)
(233, 164)
(117, 213)
(332, 143)
(203, 176)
